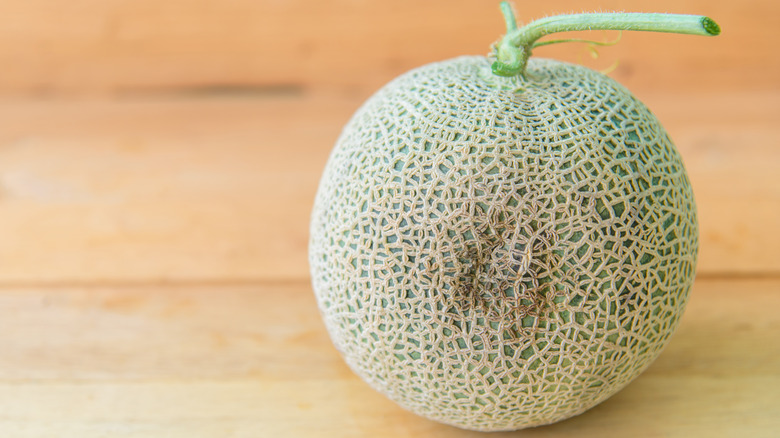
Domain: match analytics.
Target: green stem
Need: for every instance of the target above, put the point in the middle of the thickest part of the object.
(514, 49)
(575, 40)
(509, 17)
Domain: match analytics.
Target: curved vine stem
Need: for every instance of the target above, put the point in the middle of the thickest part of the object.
(577, 40)
(514, 49)
(509, 17)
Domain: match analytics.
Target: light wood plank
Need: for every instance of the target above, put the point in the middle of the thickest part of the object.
(113, 46)
(153, 333)
(221, 189)
(254, 360)
(161, 190)
(731, 148)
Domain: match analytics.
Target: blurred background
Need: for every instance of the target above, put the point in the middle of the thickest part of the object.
(158, 163)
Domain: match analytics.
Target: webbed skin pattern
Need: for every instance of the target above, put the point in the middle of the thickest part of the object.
(500, 253)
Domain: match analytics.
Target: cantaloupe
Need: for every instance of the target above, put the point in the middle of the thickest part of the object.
(499, 250)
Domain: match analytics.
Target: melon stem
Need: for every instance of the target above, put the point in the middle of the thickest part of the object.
(514, 49)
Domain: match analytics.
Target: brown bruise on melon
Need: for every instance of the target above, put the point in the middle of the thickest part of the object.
(501, 271)
(498, 253)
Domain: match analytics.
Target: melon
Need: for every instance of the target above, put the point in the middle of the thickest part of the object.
(503, 242)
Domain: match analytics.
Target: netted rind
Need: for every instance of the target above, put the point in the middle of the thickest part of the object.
(499, 253)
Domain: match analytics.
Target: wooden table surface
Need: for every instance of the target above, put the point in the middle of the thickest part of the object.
(158, 163)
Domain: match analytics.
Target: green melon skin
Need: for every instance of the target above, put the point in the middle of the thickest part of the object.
(501, 253)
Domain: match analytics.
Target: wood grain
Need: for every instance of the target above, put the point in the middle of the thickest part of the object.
(220, 189)
(255, 360)
(115, 47)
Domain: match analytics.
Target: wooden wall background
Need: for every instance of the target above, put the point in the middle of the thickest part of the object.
(120, 47)
(159, 159)
(183, 140)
